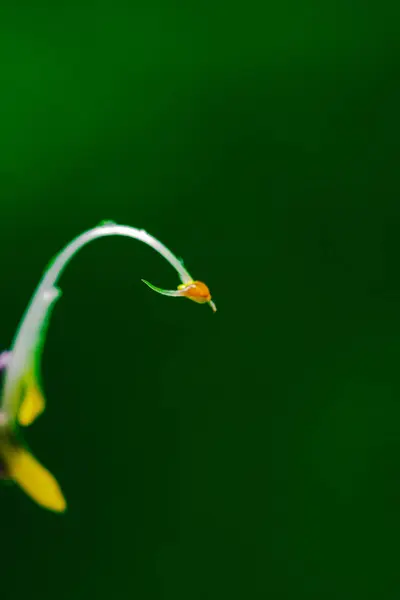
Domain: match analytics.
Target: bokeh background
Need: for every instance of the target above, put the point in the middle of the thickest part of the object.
(250, 454)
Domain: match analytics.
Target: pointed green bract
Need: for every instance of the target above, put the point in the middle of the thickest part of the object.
(161, 290)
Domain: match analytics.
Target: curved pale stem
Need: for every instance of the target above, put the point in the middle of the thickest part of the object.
(28, 341)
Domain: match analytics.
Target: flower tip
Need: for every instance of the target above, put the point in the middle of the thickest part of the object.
(214, 308)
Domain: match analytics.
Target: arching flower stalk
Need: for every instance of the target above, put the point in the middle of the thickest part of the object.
(22, 399)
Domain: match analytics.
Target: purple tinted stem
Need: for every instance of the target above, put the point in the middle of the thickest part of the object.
(4, 359)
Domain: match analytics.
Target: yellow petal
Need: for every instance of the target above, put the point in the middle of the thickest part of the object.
(34, 479)
(33, 404)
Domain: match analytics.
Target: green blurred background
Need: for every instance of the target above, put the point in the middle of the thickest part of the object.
(250, 454)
